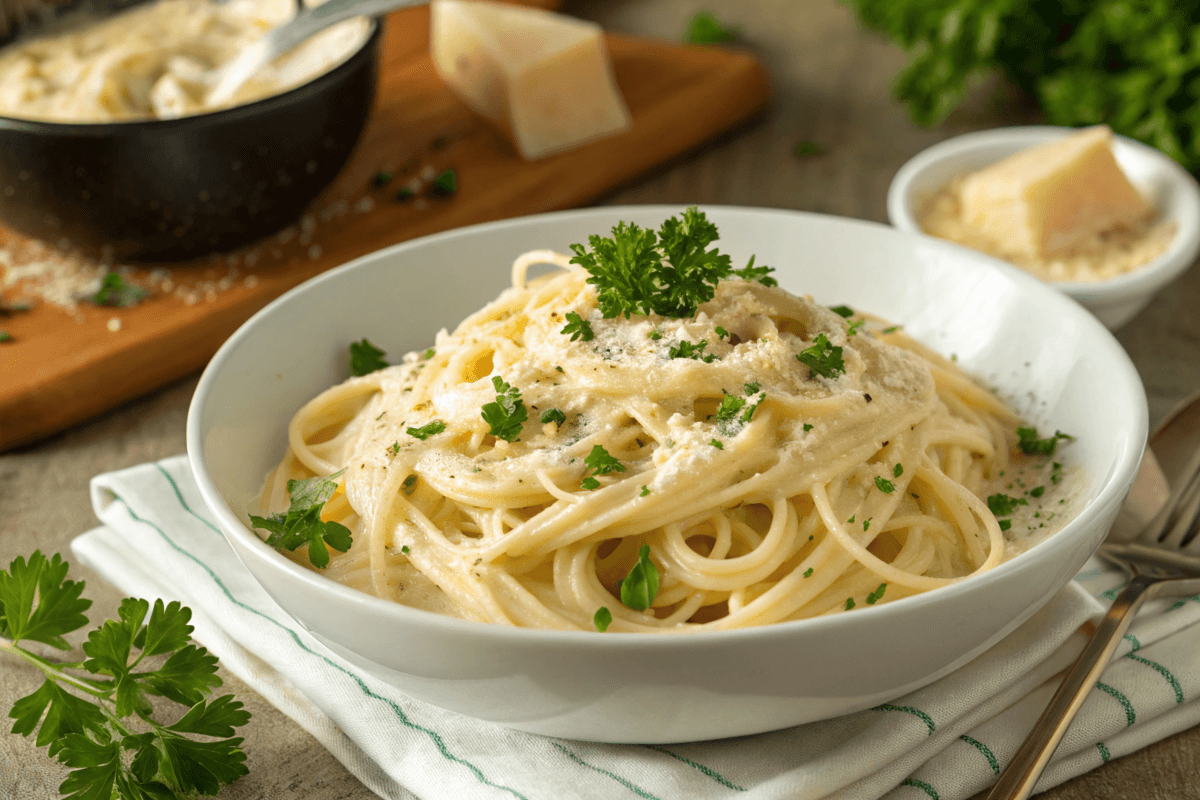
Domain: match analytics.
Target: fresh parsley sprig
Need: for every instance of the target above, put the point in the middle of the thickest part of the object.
(302, 523)
(425, 431)
(686, 349)
(101, 723)
(507, 413)
(669, 273)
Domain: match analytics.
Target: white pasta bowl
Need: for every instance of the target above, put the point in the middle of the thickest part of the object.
(1160, 179)
(1056, 364)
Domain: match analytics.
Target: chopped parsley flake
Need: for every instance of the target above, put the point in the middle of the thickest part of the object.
(721, 332)
(854, 326)
(365, 358)
(425, 431)
(590, 484)
(823, 358)
(688, 350)
(892, 329)
(578, 328)
(409, 486)
(875, 596)
(752, 388)
(554, 415)
(114, 291)
(867, 523)
(641, 584)
(507, 414)
(808, 427)
(1037, 491)
(645, 491)
(430, 353)
(302, 523)
(601, 462)
(808, 572)
(655, 334)
(1029, 443)
(602, 619)
(898, 471)
(1001, 505)
(715, 443)
(1005, 524)
(395, 448)
(730, 407)
(843, 311)
(849, 603)
(5, 336)
(1056, 473)
(404, 195)
(884, 485)
(381, 179)
(753, 273)
(852, 516)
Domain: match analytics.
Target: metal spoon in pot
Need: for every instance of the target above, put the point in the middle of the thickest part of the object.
(230, 77)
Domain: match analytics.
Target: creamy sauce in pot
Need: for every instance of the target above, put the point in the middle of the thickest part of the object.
(154, 61)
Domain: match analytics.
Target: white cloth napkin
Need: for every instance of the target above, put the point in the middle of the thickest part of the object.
(946, 741)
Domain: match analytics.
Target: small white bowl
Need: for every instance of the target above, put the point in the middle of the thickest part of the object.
(1159, 178)
(1052, 360)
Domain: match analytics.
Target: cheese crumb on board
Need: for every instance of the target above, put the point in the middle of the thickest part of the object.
(1045, 200)
(545, 79)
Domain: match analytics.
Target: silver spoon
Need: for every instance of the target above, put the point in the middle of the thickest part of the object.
(230, 77)
(1164, 560)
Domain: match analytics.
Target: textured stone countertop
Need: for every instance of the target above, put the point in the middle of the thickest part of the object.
(830, 83)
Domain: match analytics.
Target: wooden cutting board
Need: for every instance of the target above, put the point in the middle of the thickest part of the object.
(62, 367)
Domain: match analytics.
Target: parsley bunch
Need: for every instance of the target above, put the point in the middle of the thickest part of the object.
(102, 724)
(302, 523)
(670, 273)
(1132, 64)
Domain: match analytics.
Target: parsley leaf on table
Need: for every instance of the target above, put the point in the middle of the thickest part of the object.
(302, 523)
(365, 358)
(507, 414)
(823, 358)
(102, 726)
(705, 28)
(114, 291)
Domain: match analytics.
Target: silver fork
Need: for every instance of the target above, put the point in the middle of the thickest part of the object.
(1163, 561)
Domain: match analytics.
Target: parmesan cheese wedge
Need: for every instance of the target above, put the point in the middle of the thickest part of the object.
(1043, 201)
(543, 78)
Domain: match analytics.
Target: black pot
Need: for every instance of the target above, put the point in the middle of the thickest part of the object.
(160, 190)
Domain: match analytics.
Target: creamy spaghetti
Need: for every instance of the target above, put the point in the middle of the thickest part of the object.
(157, 60)
(816, 495)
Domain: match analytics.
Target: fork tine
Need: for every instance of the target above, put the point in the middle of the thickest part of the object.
(1156, 531)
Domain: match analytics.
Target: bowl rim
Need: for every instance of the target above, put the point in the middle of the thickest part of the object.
(263, 105)
(1111, 489)
(1172, 262)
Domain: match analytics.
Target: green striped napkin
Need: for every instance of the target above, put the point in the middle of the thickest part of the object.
(946, 741)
